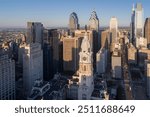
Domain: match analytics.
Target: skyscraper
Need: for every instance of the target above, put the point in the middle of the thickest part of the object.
(132, 26)
(94, 26)
(147, 31)
(47, 55)
(7, 77)
(73, 22)
(32, 66)
(94, 21)
(34, 32)
(114, 29)
(139, 20)
(57, 50)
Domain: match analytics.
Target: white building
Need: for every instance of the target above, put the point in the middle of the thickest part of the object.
(94, 25)
(113, 29)
(32, 66)
(139, 20)
(101, 61)
(86, 83)
(7, 77)
(132, 26)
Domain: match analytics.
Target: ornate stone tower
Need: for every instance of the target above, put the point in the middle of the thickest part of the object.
(86, 84)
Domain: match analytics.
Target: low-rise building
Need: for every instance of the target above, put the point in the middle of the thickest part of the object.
(116, 63)
(132, 54)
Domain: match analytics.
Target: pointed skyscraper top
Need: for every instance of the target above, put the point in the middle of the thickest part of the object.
(94, 21)
(133, 9)
(94, 15)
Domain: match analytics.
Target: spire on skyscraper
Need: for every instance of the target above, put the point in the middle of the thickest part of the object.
(133, 9)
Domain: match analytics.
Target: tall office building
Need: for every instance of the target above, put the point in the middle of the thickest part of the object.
(132, 26)
(94, 26)
(73, 22)
(57, 50)
(114, 29)
(94, 22)
(34, 32)
(147, 31)
(71, 47)
(32, 66)
(47, 55)
(52, 53)
(138, 20)
(7, 77)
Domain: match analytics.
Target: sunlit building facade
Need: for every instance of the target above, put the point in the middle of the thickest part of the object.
(73, 22)
(32, 66)
(113, 29)
(7, 77)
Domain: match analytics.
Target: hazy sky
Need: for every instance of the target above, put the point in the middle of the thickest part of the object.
(56, 12)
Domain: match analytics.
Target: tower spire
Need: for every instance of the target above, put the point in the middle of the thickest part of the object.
(133, 9)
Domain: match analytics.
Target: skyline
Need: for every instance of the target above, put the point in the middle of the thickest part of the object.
(56, 13)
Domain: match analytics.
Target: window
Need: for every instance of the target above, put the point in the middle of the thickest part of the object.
(84, 79)
(84, 68)
(83, 96)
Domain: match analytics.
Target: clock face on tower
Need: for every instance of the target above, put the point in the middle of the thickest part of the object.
(84, 58)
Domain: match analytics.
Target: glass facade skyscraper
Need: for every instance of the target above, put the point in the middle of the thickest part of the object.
(73, 22)
(139, 20)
